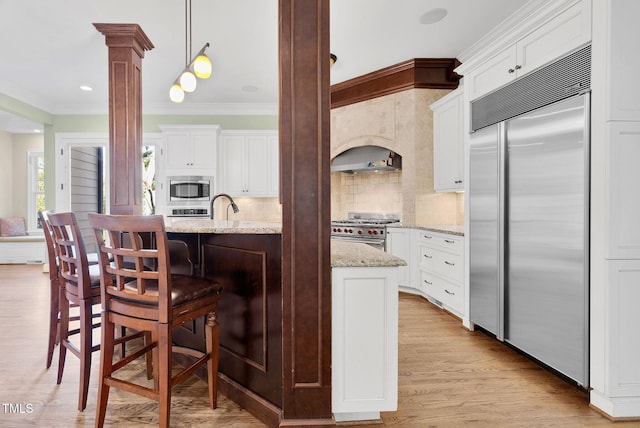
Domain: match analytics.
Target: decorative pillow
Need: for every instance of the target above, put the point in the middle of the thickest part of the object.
(12, 226)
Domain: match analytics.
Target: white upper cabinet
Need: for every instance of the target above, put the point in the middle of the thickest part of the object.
(249, 163)
(623, 87)
(492, 74)
(448, 142)
(190, 149)
(565, 32)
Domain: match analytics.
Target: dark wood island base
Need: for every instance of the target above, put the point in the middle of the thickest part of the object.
(250, 315)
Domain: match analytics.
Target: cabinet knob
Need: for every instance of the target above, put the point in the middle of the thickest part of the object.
(518, 67)
(458, 181)
(511, 70)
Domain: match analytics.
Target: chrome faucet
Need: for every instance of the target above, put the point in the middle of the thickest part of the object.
(233, 204)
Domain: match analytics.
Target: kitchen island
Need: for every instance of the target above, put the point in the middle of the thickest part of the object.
(246, 258)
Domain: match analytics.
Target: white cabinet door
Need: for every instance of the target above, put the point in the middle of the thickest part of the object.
(258, 167)
(565, 32)
(562, 34)
(364, 342)
(448, 143)
(624, 295)
(232, 165)
(177, 151)
(624, 61)
(624, 197)
(399, 244)
(203, 148)
(492, 74)
(190, 150)
(273, 156)
(249, 163)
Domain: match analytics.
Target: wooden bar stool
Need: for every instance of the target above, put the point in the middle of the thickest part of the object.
(78, 286)
(151, 300)
(54, 282)
(54, 285)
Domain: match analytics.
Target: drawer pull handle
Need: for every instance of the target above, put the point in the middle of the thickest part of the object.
(428, 256)
(427, 236)
(428, 282)
(448, 241)
(449, 292)
(449, 263)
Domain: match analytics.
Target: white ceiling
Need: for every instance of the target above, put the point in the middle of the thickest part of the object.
(50, 48)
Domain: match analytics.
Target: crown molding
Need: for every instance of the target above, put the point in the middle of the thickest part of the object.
(433, 73)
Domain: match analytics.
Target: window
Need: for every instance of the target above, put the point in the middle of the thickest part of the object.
(35, 182)
(148, 179)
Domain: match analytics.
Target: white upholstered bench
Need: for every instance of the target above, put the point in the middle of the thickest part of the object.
(23, 249)
(17, 246)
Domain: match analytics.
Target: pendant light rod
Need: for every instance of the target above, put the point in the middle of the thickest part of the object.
(200, 63)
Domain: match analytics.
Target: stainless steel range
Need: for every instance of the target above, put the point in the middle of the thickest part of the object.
(367, 228)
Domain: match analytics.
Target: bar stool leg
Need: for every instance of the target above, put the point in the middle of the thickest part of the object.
(212, 337)
(53, 320)
(106, 368)
(63, 328)
(86, 318)
(164, 382)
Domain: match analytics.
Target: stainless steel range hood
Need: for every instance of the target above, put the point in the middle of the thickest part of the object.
(366, 159)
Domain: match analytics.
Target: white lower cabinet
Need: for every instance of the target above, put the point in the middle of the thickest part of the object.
(400, 243)
(442, 269)
(624, 295)
(364, 342)
(435, 265)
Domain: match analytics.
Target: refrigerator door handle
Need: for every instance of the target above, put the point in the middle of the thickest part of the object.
(501, 233)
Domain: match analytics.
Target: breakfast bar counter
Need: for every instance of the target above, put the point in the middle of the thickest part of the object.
(246, 259)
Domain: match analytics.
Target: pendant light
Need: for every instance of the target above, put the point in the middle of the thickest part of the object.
(199, 66)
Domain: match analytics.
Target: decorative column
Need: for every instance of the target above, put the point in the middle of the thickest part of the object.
(127, 43)
(305, 187)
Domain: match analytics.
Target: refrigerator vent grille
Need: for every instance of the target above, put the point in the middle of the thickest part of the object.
(564, 78)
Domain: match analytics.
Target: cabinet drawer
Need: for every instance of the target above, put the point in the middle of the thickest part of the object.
(447, 242)
(448, 265)
(446, 292)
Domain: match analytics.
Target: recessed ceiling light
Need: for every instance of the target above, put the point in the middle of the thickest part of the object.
(250, 88)
(86, 88)
(37, 131)
(432, 16)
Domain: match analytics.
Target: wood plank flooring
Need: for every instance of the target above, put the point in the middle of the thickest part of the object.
(449, 377)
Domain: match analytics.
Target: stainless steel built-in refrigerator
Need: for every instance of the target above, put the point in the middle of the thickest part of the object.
(528, 236)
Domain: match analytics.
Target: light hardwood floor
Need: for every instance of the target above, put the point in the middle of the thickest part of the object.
(449, 377)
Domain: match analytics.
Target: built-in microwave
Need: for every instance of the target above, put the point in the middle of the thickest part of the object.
(185, 189)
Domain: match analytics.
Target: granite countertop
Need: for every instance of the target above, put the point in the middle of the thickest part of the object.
(452, 229)
(204, 225)
(353, 254)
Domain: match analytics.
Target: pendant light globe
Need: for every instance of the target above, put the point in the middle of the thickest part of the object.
(202, 66)
(176, 94)
(188, 81)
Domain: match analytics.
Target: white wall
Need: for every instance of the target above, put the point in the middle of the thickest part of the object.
(6, 171)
